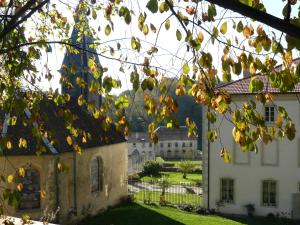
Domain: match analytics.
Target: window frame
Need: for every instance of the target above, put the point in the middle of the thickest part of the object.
(227, 181)
(100, 175)
(269, 183)
(36, 192)
(267, 118)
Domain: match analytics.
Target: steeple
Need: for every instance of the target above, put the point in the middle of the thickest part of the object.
(75, 64)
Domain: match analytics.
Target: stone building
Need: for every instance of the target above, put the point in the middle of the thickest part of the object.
(140, 150)
(175, 144)
(78, 184)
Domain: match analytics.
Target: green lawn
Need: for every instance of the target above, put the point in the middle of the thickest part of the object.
(172, 198)
(138, 214)
(175, 177)
(198, 163)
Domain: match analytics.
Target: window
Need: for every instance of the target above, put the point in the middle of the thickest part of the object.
(269, 114)
(176, 144)
(191, 144)
(161, 145)
(96, 175)
(183, 144)
(269, 193)
(162, 153)
(299, 187)
(169, 153)
(169, 144)
(143, 144)
(227, 190)
(150, 145)
(176, 154)
(30, 195)
(183, 151)
(134, 144)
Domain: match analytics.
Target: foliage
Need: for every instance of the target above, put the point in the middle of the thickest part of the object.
(186, 167)
(151, 168)
(175, 178)
(31, 30)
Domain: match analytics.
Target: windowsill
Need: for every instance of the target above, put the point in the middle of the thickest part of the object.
(269, 124)
(269, 206)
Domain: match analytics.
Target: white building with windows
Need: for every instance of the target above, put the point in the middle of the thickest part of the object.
(268, 179)
(140, 150)
(175, 144)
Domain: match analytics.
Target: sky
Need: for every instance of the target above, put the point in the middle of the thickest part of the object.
(166, 42)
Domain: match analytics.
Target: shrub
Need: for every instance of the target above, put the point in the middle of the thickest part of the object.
(151, 168)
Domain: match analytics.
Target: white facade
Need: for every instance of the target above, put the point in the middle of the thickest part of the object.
(177, 149)
(140, 150)
(276, 166)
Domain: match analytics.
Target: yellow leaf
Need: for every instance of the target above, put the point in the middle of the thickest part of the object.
(8, 145)
(21, 172)
(22, 143)
(80, 100)
(69, 140)
(278, 122)
(223, 28)
(43, 194)
(19, 187)
(10, 178)
(225, 155)
(83, 139)
(200, 37)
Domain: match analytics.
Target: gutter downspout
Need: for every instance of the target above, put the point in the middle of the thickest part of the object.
(208, 163)
(75, 182)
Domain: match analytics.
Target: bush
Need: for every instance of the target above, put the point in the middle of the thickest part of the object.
(151, 168)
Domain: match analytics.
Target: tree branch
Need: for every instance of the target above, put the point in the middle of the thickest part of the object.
(272, 21)
(13, 23)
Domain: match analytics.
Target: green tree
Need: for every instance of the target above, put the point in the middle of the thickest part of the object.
(186, 167)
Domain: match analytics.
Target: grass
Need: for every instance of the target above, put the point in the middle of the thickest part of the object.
(198, 163)
(138, 214)
(176, 178)
(172, 198)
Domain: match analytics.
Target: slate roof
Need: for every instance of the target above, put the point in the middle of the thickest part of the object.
(241, 86)
(55, 124)
(138, 137)
(180, 133)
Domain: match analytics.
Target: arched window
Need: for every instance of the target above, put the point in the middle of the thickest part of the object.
(96, 175)
(30, 195)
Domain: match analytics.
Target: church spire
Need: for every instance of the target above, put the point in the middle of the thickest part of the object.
(75, 63)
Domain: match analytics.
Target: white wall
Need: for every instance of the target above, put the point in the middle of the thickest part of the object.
(278, 161)
(179, 152)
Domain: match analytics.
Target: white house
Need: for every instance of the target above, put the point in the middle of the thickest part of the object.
(269, 179)
(175, 144)
(140, 150)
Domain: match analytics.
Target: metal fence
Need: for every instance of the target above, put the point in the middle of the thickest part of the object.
(182, 193)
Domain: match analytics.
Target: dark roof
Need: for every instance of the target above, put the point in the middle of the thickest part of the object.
(241, 86)
(138, 137)
(180, 133)
(55, 124)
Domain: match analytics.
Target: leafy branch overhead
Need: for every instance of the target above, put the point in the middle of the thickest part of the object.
(164, 50)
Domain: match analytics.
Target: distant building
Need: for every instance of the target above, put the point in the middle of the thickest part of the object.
(140, 150)
(175, 144)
